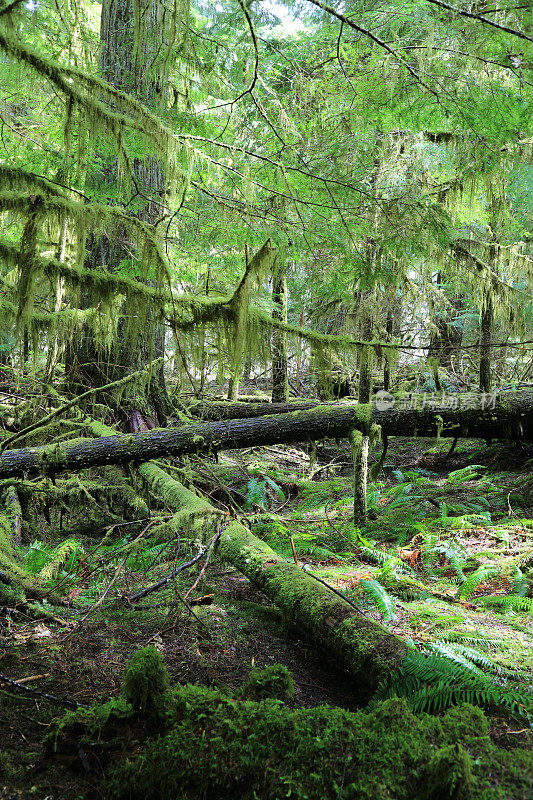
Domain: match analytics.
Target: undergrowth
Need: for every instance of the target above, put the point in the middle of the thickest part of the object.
(207, 743)
(419, 550)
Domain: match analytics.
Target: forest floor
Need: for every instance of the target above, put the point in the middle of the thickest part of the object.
(442, 561)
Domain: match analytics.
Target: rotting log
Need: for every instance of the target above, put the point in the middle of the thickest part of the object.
(511, 418)
(357, 642)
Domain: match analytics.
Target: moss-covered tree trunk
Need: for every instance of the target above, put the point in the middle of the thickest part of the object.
(354, 640)
(134, 42)
(510, 418)
(280, 382)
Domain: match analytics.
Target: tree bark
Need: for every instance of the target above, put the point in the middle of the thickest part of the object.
(389, 327)
(225, 409)
(280, 383)
(512, 417)
(485, 348)
(361, 443)
(134, 67)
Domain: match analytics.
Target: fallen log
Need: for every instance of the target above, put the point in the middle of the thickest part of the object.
(510, 416)
(227, 409)
(363, 646)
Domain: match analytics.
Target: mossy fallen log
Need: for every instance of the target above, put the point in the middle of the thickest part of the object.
(227, 409)
(378, 660)
(511, 417)
(357, 642)
(206, 743)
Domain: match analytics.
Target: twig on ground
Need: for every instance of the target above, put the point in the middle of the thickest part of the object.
(215, 538)
(37, 693)
(28, 679)
(339, 594)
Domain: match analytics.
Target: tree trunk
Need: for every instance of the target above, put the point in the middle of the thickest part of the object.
(445, 341)
(486, 342)
(511, 417)
(361, 443)
(389, 327)
(280, 383)
(134, 67)
(225, 409)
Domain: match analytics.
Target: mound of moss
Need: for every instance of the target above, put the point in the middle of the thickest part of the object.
(145, 679)
(273, 682)
(218, 747)
(224, 748)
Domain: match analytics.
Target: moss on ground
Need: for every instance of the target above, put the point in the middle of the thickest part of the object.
(215, 746)
(275, 682)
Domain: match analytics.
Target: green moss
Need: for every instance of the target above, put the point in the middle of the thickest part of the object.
(80, 727)
(193, 512)
(218, 747)
(146, 679)
(449, 774)
(273, 682)
(224, 748)
(466, 723)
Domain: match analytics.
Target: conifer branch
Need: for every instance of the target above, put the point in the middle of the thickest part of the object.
(347, 21)
(479, 17)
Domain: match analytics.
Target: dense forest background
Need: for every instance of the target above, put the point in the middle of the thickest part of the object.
(266, 397)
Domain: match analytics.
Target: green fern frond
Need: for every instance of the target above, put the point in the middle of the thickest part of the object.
(474, 656)
(481, 574)
(477, 642)
(381, 598)
(374, 555)
(455, 559)
(466, 474)
(453, 652)
(442, 696)
(433, 682)
(58, 559)
(521, 585)
(508, 602)
(383, 558)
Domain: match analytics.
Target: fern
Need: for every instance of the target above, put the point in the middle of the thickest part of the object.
(381, 598)
(469, 520)
(466, 474)
(58, 558)
(454, 654)
(481, 574)
(454, 558)
(384, 559)
(275, 488)
(479, 642)
(442, 696)
(474, 656)
(521, 585)
(433, 682)
(508, 602)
